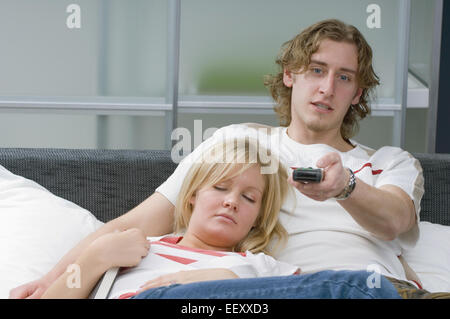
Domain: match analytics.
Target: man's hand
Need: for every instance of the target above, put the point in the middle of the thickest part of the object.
(386, 211)
(335, 179)
(188, 276)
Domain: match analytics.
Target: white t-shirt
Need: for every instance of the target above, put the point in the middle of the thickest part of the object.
(166, 257)
(322, 235)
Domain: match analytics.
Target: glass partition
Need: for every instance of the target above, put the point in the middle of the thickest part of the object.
(117, 62)
(421, 40)
(228, 46)
(96, 48)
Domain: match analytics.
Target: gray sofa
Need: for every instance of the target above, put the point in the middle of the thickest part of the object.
(109, 183)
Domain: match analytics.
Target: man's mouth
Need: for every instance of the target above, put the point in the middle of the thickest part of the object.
(322, 106)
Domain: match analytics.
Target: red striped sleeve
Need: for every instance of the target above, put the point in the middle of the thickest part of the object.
(374, 172)
(197, 250)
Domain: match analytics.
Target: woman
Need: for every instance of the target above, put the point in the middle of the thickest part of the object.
(227, 211)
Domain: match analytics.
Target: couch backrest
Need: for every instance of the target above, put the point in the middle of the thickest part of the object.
(108, 183)
(111, 182)
(435, 205)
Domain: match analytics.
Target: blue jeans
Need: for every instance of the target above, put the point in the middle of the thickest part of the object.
(320, 285)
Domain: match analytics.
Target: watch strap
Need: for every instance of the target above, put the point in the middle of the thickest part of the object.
(348, 189)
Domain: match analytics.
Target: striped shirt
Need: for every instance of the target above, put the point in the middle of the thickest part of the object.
(166, 256)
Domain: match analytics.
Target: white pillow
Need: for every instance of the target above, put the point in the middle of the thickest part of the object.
(430, 258)
(36, 229)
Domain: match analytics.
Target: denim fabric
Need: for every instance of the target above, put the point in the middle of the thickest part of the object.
(320, 285)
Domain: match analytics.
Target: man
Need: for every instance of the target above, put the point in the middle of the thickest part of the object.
(364, 211)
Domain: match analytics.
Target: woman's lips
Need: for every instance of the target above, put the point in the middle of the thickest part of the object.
(227, 218)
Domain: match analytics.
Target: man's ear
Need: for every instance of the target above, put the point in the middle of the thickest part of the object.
(288, 78)
(357, 96)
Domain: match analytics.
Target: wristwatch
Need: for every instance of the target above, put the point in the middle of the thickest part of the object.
(349, 188)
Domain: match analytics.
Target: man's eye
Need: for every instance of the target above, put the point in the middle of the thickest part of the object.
(344, 77)
(317, 70)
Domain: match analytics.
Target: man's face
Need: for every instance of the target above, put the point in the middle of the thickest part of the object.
(322, 94)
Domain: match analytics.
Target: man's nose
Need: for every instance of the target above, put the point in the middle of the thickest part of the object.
(327, 85)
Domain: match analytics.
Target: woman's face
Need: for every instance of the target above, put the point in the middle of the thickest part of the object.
(224, 213)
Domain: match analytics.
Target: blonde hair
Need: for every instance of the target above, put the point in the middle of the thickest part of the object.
(296, 55)
(226, 160)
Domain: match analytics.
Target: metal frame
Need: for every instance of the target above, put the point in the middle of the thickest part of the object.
(102, 120)
(98, 106)
(434, 85)
(398, 138)
(173, 61)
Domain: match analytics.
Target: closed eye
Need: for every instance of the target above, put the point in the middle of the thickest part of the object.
(250, 199)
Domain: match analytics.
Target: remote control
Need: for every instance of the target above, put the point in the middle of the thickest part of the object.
(307, 174)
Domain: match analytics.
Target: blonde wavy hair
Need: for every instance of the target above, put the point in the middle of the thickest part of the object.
(295, 55)
(224, 161)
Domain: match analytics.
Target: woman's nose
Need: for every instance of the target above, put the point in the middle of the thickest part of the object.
(230, 202)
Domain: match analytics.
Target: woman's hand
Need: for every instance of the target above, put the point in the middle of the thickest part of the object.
(30, 290)
(118, 249)
(121, 248)
(188, 276)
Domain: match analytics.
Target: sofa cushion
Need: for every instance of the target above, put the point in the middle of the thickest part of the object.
(36, 229)
(430, 258)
